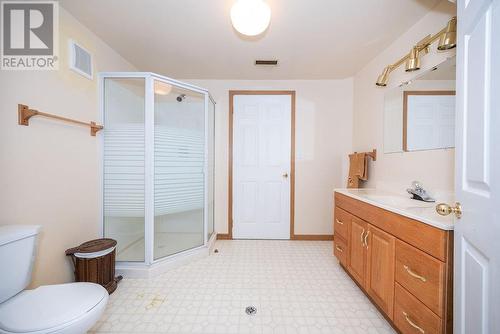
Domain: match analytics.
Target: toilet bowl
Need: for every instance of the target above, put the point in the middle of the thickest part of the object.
(62, 308)
(71, 308)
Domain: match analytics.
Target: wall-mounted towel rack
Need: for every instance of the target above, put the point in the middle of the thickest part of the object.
(372, 154)
(25, 113)
(358, 167)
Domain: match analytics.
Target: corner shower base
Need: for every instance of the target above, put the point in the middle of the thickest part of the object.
(165, 244)
(141, 270)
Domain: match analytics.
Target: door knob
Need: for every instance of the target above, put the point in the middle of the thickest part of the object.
(285, 175)
(444, 209)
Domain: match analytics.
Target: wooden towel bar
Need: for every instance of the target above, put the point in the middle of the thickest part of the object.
(25, 113)
(372, 154)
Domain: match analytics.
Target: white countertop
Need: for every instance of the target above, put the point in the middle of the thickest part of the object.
(405, 206)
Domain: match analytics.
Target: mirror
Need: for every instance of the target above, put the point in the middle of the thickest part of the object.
(420, 114)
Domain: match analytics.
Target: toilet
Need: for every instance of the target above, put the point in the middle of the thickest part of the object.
(71, 308)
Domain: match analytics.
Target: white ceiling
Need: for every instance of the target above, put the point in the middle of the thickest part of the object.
(194, 39)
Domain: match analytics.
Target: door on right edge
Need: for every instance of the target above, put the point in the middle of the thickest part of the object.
(477, 233)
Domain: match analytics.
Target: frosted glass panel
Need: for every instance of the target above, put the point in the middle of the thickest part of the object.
(124, 166)
(179, 151)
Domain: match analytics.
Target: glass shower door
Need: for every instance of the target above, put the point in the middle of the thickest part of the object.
(124, 156)
(179, 169)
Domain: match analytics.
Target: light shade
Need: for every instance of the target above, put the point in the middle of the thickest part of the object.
(162, 88)
(413, 62)
(448, 39)
(250, 17)
(384, 77)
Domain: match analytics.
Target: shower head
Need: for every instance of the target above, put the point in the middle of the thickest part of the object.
(181, 97)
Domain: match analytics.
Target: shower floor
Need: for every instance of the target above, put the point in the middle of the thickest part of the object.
(165, 244)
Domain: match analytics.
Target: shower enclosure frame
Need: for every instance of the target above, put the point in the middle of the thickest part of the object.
(137, 268)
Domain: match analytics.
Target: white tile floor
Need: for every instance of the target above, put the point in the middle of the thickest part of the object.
(296, 286)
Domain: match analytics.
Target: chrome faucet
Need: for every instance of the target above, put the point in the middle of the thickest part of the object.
(419, 193)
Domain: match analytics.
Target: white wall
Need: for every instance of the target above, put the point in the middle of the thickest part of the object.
(50, 170)
(435, 169)
(323, 140)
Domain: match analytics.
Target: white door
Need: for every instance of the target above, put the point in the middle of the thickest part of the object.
(477, 233)
(261, 166)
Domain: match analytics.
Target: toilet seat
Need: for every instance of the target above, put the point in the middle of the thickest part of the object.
(53, 309)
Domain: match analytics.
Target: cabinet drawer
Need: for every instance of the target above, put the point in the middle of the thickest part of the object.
(340, 250)
(341, 222)
(422, 275)
(413, 317)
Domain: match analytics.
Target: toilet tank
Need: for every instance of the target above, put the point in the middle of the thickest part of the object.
(17, 254)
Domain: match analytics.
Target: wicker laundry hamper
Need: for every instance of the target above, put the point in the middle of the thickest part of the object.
(94, 262)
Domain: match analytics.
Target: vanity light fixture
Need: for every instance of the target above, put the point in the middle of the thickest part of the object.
(413, 61)
(384, 77)
(250, 17)
(447, 40)
(422, 48)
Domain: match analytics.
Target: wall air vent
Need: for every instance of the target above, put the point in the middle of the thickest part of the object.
(266, 62)
(80, 60)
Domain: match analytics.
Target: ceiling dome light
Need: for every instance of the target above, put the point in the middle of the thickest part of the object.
(162, 88)
(250, 17)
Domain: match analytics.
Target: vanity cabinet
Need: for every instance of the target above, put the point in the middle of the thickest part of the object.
(380, 252)
(403, 265)
(356, 264)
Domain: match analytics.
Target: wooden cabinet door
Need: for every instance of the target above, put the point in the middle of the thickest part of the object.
(381, 252)
(357, 250)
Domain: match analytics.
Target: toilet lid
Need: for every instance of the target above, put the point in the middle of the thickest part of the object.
(49, 306)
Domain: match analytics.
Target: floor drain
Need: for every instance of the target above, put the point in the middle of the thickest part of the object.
(251, 310)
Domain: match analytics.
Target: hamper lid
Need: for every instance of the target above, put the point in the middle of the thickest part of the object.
(93, 246)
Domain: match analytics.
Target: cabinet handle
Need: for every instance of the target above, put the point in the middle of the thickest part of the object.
(362, 243)
(339, 249)
(411, 273)
(366, 239)
(412, 324)
(339, 222)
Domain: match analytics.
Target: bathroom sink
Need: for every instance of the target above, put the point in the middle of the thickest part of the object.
(399, 201)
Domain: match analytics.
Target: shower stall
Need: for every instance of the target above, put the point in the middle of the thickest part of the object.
(158, 170)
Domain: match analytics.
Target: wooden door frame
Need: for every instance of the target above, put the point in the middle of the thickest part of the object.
(233, 93)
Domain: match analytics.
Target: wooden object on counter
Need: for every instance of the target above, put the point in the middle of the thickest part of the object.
(358, 167)
(403, 265)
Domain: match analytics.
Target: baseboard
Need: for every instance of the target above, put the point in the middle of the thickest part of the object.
(313, 237)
